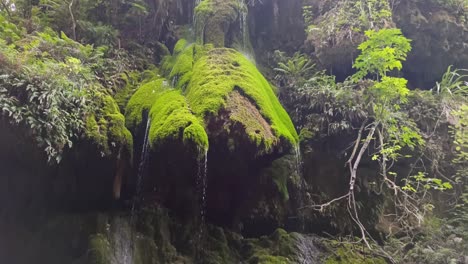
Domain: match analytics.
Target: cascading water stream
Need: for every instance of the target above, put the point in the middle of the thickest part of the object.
(202, 182)
(243, 24)
(195, 24)
(302, 185)
(121, 242)
(141, 167)
(307, 251)
(298, 157)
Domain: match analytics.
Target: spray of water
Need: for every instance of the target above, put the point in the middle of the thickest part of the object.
(121, 242)
(306, 250)
(243, 24)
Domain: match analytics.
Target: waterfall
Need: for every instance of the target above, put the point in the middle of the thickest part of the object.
(202, 182)
(121, 242)
(298, 158)
(202, 185)
(197, 35)
(243, 24)
(174, 81)
(306, 250)
(142, 165)
(302, 184)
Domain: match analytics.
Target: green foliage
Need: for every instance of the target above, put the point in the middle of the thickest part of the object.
(293, 69)
(420, 183)
(48, 84)
(345, 253)
(454, 82)
(437, 241)
(336, 22)
(461, 134)
(9, 31)
(384, 51)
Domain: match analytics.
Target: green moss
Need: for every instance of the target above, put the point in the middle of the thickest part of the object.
(279, 171)
(217, 248)
(132, 81)
(181, 70)
(142, 101)
(264, 258)
(100, 249)
(172, 120)
(207, 80)
(345, 254)
(212, 18)
(179, 46)
(278, 248)
(106, 127)
(220, 72)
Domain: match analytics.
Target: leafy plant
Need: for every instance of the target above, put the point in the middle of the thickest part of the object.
(383, 52)
(49, 84)
(454, 82)
(293, 69)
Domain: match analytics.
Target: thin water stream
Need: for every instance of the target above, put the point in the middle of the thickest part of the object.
(307, 251)
(301, 184)
(243, 24)
(141, 166)
(202, 182)
(121, 242)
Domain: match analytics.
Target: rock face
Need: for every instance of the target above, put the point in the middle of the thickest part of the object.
(336, 28)
(276, 24)
(438, 34)
(439, 39)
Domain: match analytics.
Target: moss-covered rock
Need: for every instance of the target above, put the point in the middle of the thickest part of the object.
(106, 127)
(350, 254)
(172, 119)
(213, 19)
(223, 23)
(209, 81)
(100, 249)
(141, 102)
(224, 75)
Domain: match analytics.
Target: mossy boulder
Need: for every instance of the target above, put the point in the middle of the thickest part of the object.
(215, 20)
(214, 101)
(172, 119)
(141, 102)
(225, 80)
(207, 84)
